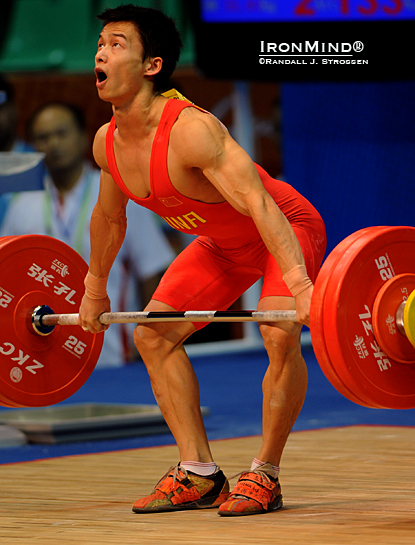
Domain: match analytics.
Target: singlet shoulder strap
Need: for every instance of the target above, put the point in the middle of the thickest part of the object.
(159, 176)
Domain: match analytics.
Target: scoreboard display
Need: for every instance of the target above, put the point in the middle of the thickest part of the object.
(306, 40)
(251, 11)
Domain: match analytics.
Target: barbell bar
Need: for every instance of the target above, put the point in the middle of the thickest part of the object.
(44, 320)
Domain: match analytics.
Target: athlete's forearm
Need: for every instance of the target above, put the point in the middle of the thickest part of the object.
(280, 239)
(107, 235)
(276, 232)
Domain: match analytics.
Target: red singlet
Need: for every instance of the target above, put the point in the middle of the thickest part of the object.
(228, 256)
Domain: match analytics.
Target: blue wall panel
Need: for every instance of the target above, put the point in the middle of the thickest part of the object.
(350, 149)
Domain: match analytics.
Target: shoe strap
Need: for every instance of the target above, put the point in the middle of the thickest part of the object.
(177, 487)
(255, 487)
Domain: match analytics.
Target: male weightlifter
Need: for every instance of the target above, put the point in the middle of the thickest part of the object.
(170, 156)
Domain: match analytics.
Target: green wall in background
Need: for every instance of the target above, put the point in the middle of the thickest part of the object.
(62, 35)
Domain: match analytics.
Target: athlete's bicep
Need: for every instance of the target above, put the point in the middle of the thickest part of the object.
(111, 199)
(234, 175)
(202, 143)
(224, 163)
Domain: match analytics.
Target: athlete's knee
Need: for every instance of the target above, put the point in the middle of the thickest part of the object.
(156, 340)
(281, 339)
(148, 339)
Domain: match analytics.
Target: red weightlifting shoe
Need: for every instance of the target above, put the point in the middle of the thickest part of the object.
(255, 492)
(180, 489)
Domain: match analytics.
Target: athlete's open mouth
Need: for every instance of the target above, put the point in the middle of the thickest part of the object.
(101, 75)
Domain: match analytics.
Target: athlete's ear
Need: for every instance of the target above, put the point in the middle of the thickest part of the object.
(153, 66)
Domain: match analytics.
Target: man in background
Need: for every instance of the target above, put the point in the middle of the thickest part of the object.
(63, 211)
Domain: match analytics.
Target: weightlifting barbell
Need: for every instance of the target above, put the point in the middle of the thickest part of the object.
(362, 319)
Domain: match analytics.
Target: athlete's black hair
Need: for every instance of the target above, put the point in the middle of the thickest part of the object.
(158, 33)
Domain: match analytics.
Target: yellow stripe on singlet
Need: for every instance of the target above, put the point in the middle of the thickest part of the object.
(173, 93)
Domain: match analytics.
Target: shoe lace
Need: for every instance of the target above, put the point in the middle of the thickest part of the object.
(177, 470)
(264, 475)
(238, 475)
(176, 474)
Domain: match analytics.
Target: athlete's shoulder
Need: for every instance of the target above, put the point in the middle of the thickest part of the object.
(192, 116)
(99, 147)
(198, 137)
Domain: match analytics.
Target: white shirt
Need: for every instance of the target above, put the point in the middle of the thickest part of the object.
(145, 246)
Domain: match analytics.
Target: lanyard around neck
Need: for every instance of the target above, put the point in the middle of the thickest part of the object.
(72, 231)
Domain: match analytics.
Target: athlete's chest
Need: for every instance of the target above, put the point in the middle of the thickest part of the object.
(133, 163)
(141, 164)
